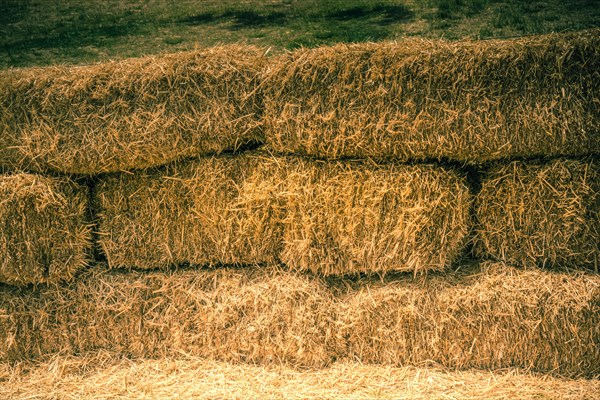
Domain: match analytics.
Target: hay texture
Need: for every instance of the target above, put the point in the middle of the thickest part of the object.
(44, 229)
(209, 211)
(107, 376)
(249, 315)
(490, 317)
(483, 317)
(541, 214)
(420, 99)
(345, 218)
(131, 114)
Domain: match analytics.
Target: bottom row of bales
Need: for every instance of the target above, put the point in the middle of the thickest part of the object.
(331, 218)
(486, 316)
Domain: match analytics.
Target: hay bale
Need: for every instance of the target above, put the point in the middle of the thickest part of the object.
(215, 210)
(347, 218)
(421, 99)
(103, 375)
(130, 114)
(253, 315)
(488, 318)
(44, 229)
(541, 214)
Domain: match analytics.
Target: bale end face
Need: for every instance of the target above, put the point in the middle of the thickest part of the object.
(44, 233)
(541, 215)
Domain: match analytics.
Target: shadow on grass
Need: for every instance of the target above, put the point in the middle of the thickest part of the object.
(12, 11)
(76, 37)
(375, 14)
(386, 14)
(240, 18)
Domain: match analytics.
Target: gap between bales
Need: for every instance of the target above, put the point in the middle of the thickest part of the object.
(485, 316)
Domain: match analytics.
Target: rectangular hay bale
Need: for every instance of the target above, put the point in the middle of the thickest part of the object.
(207, 211)
(533, 214)
(345, 217)
(131, 114)
(471, 101)
(253, 315)
(490, 317)
(45, 233)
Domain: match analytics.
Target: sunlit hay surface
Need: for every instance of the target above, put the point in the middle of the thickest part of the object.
(130, 114)
(541, 214)
(420, 99)
(254, 315)
(207, 211)
(490, 317)
(487, 317)
(44, 228)
(104, 375)
(345, 218)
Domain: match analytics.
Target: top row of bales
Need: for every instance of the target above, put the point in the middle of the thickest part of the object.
(408, 101)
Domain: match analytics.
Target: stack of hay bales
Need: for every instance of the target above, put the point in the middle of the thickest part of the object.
(104, 118)
(483, 104)
(380, 159)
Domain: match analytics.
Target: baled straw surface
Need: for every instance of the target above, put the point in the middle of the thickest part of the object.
(541, 215)
(44, 228)
(347, 218)
(420, 99)
(108, 376)
(215, 210)
(131, 114)
(493, 317)
(256, 315)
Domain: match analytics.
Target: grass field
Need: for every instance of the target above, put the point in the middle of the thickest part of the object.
(41, 32)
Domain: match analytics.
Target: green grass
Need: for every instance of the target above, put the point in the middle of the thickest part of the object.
(42, 32)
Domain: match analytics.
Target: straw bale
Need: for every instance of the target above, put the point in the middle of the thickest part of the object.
(208, 211)
(469, 101)
(490, 317)
(347, 218)
(541, 214)
(493, 316)
(44, 229)
(253, 315)
(135, 113)
(104, 375)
